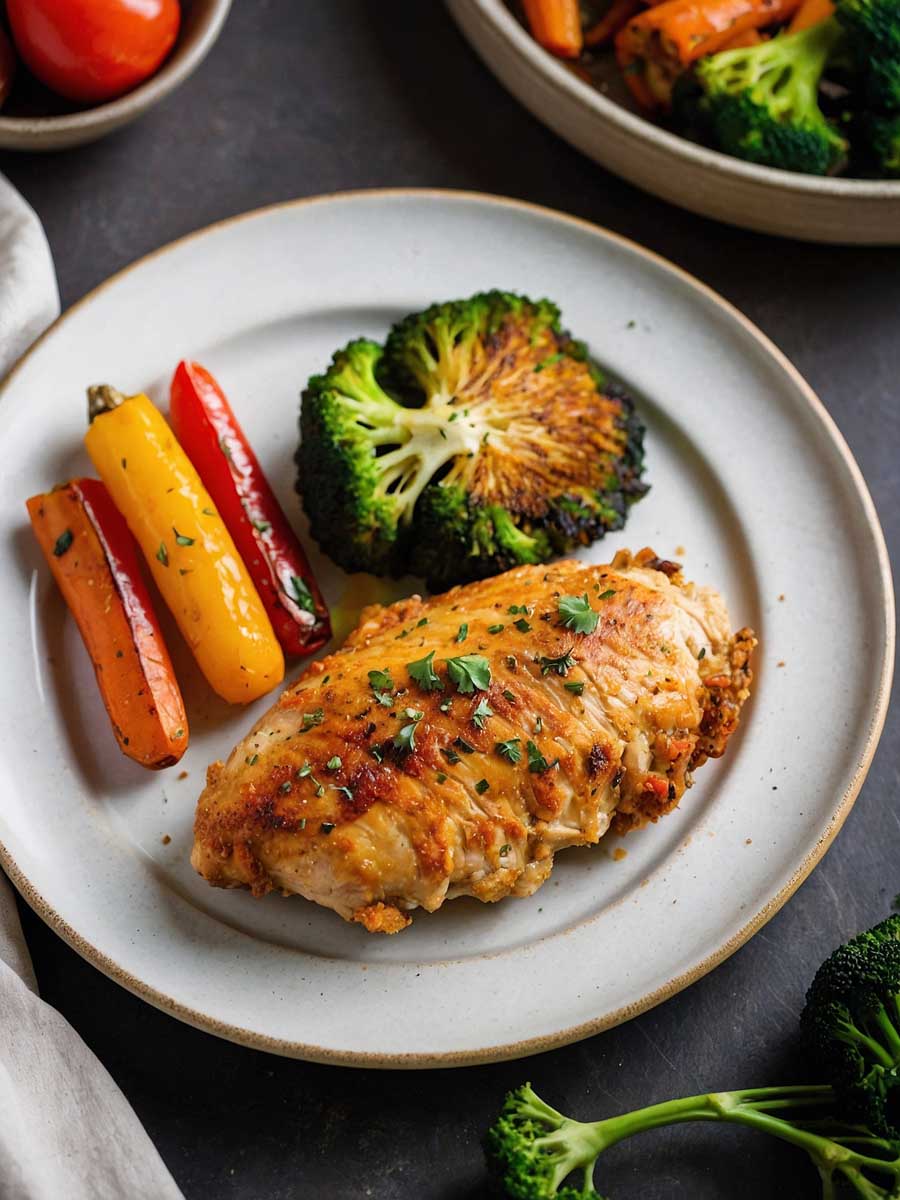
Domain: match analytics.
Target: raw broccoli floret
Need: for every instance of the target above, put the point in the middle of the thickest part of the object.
(848, 1126)
(873, 34)
(852, 1024)
(479, 437)
(762, 102)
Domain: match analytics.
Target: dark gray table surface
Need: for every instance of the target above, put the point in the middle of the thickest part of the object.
(302, 98)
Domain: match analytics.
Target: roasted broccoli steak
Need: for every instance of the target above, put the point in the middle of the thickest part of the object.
(480, 436)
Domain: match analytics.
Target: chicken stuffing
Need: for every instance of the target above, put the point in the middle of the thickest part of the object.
(454, 744)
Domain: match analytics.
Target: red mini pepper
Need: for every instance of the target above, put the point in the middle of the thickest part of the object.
(94, 559)
(215, 443)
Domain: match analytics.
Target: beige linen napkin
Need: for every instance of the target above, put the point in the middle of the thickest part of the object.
(66, 1131)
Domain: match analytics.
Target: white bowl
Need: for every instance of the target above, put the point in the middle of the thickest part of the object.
(801, 206)
(202, 21)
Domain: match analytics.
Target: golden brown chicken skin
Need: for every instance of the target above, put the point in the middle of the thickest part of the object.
(385, 780)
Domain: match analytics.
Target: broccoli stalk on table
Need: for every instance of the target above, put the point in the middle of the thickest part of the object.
(761, 103)
(479, 437)
(848, 1126)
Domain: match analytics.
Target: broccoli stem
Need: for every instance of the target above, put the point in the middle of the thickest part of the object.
(576, 1145)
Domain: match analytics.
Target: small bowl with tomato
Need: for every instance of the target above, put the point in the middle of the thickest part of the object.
(72, 71)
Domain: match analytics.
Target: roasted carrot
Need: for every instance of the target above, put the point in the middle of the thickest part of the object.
(556, 25)
(94, 561)
(653, 49)
(191, 555)
(743, 40)
(811, 12)
(611, 22)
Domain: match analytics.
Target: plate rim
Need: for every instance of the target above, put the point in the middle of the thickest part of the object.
(566, 82)
(535, 1045)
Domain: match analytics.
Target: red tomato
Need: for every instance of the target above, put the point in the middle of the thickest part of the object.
(93, 50)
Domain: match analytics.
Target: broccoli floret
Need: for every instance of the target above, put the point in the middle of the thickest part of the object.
(847, 1126)
(873, 33)
(878, 136)
(481, 436)
(762, 101)
(852, 1024)
(533, 1149)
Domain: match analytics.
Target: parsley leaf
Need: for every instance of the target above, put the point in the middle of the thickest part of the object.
(382, 685)
(462, 633)
(162, 554)
(468, 672)
(466, 747)
(63, 542)
(537, 764)
(561, 665)
(495, 628)
(451, 756)
(482, 786)
(334, 764)
(423, 673)
(575, 613)
(481, 713)
(301, 593)
(576, 687)
(607, 595)
(510, 749)
(405, 740)
(522, 625)
(311, 719)
(181, 539)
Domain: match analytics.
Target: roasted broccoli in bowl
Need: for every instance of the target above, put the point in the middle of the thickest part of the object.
(480, 436)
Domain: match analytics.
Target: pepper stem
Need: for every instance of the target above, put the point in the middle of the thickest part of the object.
(103, 398)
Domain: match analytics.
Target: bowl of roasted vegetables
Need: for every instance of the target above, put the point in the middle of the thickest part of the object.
(776, 115)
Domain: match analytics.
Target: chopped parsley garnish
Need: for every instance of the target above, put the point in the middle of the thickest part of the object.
(441, 777)
(468, 672)
(405, 740)
(495, 628)
(285, 787)
(63, 542)
(382, 685)
(561, 665)
(466, 747)
(375, 751)
(446, 705)
(208, 512)
(301, 593)
(262, 526)
(462, 633)
(423, 673)
(607, 595)
(326, 827)
(510, 749)
(251, 760)
(538, 724)
(505, 849)
(185, 570)
(508, 695)
(482, 786)
(419, 624)
(182, 539)
(301, 824)
(548, 361)
(162, 554)
(575, 613)
(522, 625)
(537, 764)
(451, 756)
(576, 687)
(224, 447)
(345, 791)
(518, 608)
(334, 764)
(481, 714)
(311, 719)
(512, 662)
(702, 653)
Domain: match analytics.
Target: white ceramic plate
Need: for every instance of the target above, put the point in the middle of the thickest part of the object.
(608, 129)
(752, 486)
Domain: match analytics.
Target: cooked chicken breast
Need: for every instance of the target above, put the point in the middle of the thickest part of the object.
(455, 744)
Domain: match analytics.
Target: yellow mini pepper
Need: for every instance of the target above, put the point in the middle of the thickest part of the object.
(193, 560)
